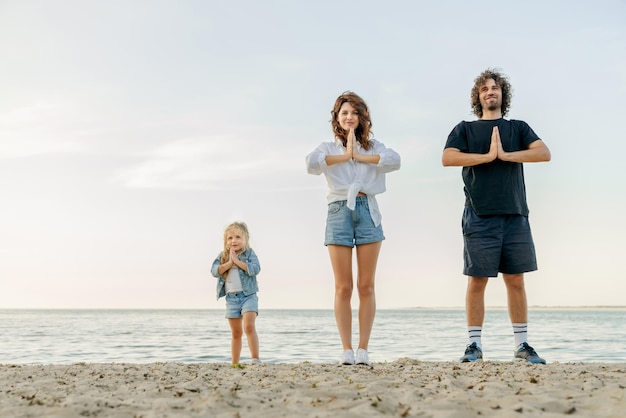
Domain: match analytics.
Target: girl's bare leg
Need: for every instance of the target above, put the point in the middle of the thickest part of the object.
(236, 329)
(249, 327)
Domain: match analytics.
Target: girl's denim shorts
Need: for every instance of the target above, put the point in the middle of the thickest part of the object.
(351, 227)
(238, 304)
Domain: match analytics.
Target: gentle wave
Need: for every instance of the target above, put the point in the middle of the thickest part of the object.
(289, 336)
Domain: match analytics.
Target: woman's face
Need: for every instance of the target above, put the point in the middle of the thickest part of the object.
(348, 117)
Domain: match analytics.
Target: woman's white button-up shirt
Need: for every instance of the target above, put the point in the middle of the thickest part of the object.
(346, 180)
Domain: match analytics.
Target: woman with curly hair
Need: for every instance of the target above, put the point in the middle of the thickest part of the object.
(355, 166)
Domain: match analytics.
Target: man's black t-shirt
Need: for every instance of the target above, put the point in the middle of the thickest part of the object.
(495, 188)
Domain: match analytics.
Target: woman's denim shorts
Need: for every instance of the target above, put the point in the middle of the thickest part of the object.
(238, 304)
(351, 227)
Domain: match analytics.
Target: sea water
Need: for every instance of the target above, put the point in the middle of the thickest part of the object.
(290, 336)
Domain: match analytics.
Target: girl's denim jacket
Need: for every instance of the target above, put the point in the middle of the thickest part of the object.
(248, 278)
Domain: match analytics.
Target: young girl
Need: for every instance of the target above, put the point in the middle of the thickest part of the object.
(355, 166)
(236, 268)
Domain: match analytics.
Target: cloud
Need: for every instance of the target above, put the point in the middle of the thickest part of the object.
(212, 162)
(40, 128)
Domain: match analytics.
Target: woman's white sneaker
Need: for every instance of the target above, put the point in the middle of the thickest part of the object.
(347, 357)
(362, 357)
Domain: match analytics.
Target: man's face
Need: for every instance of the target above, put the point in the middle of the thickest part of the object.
(490, 95)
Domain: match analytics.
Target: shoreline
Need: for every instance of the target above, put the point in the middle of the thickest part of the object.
(402, 388)
(402, 308)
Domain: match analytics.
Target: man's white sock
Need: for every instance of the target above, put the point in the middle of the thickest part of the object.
(475, 333)
(520, 332)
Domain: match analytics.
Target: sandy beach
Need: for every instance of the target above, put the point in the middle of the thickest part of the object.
(403, 388)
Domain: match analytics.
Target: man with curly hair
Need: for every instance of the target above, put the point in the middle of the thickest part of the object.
(496, 232)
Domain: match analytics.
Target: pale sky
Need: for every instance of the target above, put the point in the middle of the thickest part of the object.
(133, 132)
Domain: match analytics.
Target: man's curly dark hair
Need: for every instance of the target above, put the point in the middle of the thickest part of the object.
(501, 80)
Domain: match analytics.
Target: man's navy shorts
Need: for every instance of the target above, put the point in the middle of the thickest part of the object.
(497, 243)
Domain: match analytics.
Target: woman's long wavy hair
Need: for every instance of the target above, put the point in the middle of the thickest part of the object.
(363, 131)
(243, 229)
(501, 80)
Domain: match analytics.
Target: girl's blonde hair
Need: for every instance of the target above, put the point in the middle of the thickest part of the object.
(241, 227)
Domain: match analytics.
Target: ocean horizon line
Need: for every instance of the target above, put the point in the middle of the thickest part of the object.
(564, 307)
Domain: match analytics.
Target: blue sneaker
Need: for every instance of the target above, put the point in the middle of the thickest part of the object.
(526, 352)
(472, 353)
